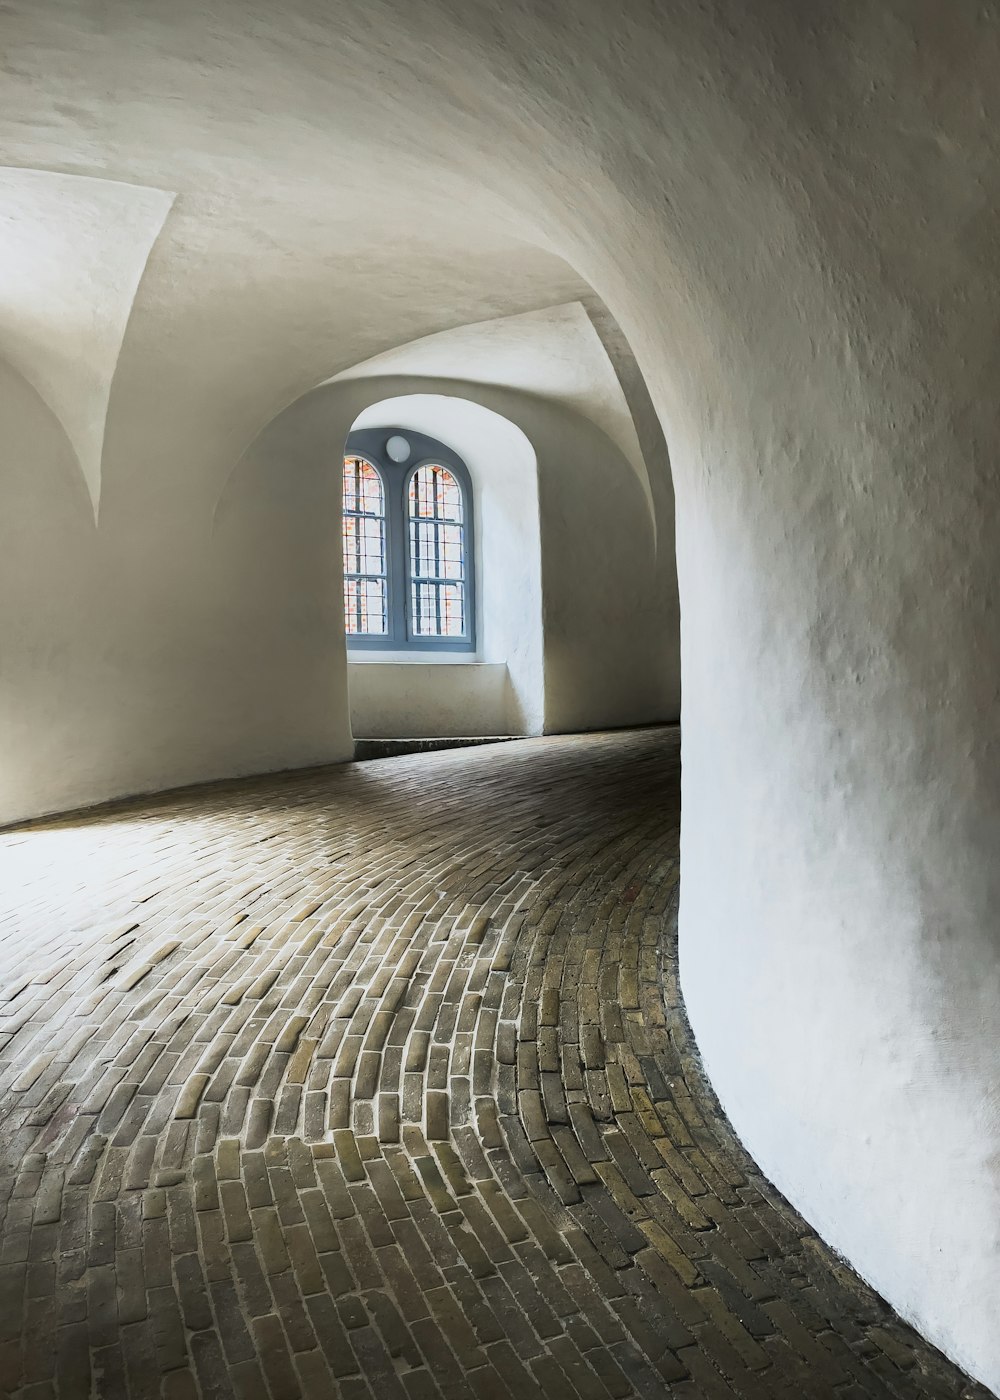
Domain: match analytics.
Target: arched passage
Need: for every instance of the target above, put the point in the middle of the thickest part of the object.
(791, 215)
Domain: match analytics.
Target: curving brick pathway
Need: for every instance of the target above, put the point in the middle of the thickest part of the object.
(361, 1082)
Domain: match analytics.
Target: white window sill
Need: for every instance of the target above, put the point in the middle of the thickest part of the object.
(417, 658)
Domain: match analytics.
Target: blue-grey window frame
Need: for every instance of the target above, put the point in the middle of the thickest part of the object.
(370, 443)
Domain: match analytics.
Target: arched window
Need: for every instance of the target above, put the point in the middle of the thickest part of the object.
(437, 553)
(366, 581)
(409, 571)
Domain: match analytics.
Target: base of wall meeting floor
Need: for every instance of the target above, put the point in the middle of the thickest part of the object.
(393, 748)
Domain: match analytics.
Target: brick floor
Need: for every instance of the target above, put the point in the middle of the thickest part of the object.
(376, 1082)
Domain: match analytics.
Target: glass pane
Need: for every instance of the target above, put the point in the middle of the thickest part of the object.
(421, 496)
(436, 551)
(371, 546)
(450, 544)
(362, 487)
(435, 494)
(365, 607)
(424, 548)
(350, 543)
(452, 605)
(438, 609)
(424, 610)
(449, 497)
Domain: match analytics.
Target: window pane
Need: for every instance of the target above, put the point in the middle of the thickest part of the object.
(438, 609)
(366, 590)
(362, 488)
(350, 542)
(365, 606)
(423, 544)
(452, 609)
(373, 618)
(449, 497)
(435, 494)
(423, 609)
(452, 562)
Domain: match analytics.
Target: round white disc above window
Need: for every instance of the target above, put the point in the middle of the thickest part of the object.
(398, 448)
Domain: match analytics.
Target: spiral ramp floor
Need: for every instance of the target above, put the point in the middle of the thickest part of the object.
(375, 1081)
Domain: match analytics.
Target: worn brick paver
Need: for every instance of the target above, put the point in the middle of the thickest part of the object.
(376, 1082)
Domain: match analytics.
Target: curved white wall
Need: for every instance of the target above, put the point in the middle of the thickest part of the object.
(790, 210)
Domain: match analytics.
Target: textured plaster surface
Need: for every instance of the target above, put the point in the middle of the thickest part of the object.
(791, 213)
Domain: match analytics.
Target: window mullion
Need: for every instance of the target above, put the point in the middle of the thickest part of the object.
(436, 537)
(398, 559)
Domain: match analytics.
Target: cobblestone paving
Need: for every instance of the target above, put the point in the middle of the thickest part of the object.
(362, 1083)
